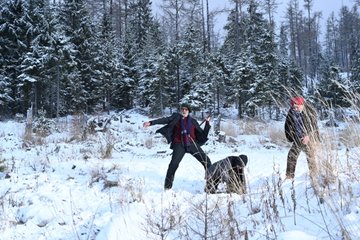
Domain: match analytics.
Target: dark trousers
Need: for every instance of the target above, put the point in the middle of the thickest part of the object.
(293, 155)
(178, 153)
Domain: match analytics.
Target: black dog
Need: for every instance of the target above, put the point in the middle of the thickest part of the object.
(229, 170)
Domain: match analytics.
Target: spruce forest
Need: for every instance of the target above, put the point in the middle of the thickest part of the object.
(84, 56)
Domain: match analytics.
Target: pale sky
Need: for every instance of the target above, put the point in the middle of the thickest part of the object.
(325, 6)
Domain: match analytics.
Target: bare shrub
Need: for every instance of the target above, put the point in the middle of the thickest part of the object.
(149, 143)
(215, 218)
(205, 220)
(78, 128)
(43, 126)
(161, 221)
(106, 150)
(327, 157)
(2, 165)
(132, 190)
(270, 206)
(27, 138)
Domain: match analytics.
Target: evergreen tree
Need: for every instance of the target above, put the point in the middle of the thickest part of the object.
(125, 87)
(33, 67)
(239, 89)
(81, 81)
(106, 65)
(152, 82)
(219, 74)
(331, 37)
(150, 85)
(295, 80)
(262, 49)
(5, 95)
(169, 74)
(235, 34)
(52, 45)
(333, 91)
(196, 85)
(14, 42)
(140, 22)
(191, 60)
(355, 72)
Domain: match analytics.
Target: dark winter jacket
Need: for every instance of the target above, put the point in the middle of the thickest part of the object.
(168, 130)
(309, 125)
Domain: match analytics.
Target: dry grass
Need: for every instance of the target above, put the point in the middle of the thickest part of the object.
(107, 149)
(350, 136)
(277, 136)
(2, 165)
(234, 128)
(230, 129)
(273, 134)
(78, 128)
(253, 127)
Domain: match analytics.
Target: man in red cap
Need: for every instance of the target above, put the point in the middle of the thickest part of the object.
(302, 131)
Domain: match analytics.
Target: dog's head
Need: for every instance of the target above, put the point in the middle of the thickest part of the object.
(238, 161)
(244, 159)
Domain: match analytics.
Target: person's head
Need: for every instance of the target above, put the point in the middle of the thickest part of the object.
(297, 103)
(185, 109)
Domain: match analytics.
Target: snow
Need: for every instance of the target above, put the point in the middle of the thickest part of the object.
(68, 187)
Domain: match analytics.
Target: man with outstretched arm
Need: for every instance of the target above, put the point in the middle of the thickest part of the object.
(185, 136)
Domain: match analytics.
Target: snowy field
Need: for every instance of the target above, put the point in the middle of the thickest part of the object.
(109, 185)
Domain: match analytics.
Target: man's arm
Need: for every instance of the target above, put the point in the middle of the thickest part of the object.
(164, 120)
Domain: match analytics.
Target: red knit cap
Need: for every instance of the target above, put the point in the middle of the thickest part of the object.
(297, 100)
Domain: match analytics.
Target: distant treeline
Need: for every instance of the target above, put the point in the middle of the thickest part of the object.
(85, 56)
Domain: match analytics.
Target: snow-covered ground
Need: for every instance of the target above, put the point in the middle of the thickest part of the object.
(109, 185)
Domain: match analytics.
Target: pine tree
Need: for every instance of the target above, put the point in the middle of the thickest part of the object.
(106, 65)
(355, 72)
(219, 73)
(80, 85)
(195, 82)
(14, 42)
(235, 35)
(33, 67)
(239, 89)
(262, 50)
(151, 91)
(191, 59)
(334, 90)
(150, 85)
(125, 87)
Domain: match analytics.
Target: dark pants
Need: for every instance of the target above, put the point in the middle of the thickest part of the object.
(293, 155)
(178, 154)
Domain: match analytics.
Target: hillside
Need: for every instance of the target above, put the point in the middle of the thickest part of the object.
(109, 185)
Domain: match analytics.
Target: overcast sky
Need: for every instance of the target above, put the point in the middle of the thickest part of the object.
(325, 6)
